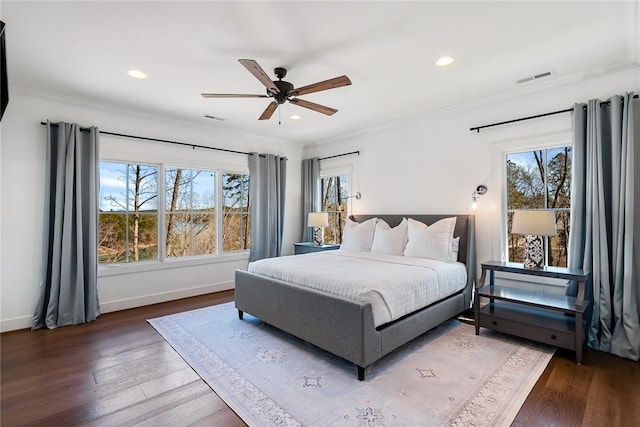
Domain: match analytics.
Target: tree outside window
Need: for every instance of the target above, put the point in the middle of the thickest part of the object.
(540, 179)
(236, 224)
(190, 212)
(128, 216)
(335, 191)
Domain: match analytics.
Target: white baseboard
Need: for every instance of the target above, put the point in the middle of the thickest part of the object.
(124, 304)
(24, 322)
(15, 323)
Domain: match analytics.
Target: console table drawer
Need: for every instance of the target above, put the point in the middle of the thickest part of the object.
(562, 339)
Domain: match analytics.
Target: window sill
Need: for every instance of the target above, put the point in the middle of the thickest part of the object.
(142, 266)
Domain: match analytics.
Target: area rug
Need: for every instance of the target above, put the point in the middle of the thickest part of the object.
(448, 376)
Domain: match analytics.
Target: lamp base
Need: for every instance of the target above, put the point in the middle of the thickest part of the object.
(534, 252)
(317, 236)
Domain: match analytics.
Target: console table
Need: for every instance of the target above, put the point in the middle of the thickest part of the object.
(547, 318)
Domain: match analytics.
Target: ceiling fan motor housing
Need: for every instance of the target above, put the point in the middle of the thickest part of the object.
(284, 87)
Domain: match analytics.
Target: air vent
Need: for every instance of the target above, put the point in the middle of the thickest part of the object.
(526, 79)
(539, 76)
(535, 77)
(214, 117)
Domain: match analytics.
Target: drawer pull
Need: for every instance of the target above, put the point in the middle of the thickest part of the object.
(553, 337)
(494, 323)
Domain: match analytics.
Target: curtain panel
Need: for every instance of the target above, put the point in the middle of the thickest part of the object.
(69, 284)
(311, 194)
(604, 235)
(267, 182)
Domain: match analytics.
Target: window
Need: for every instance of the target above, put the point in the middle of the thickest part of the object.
(335, 191)
(540, 179)
(190, 212)
(128, 217)
(135, 221)
(235, 196)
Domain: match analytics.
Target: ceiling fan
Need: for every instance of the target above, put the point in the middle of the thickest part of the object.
(282, 91)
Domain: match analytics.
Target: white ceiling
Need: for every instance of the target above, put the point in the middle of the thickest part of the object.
(388, 49)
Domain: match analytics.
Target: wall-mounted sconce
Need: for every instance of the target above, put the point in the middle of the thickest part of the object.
(479, 191)
(356, 196)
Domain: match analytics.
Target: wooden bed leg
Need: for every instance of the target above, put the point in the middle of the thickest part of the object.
(240, 313)
(360, 372)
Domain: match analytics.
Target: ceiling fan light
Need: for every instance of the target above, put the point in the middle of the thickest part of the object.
(444, 61)
(137, 74)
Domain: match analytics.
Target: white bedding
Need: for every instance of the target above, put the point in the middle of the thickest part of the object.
(394, 285)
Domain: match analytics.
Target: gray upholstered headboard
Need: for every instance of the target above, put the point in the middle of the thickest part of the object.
(465, 229)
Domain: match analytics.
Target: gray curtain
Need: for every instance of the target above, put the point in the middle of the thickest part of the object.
(604, 238)
(69, 285)
(311, 194)
(268, 176)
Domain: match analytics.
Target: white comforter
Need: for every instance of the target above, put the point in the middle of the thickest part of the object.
(394, 285)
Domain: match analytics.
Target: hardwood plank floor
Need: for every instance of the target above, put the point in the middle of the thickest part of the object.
(118, 371)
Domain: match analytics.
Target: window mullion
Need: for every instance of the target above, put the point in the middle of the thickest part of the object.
(162, 210)
(127, 215)
(218, 212)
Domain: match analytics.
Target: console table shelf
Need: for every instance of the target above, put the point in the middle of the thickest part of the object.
(526, 297)
(548, 318)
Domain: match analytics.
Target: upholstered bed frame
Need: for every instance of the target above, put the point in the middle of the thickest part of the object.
(344, 327)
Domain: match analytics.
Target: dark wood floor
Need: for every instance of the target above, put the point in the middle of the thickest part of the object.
(118, 371)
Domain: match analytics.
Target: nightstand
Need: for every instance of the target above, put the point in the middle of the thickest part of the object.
(548, 318)
(307, 247)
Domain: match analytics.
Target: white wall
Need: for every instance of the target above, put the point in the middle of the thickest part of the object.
(431, 163)
(22, 166)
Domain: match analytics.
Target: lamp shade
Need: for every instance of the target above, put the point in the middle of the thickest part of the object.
(318, 219)
(534, 222)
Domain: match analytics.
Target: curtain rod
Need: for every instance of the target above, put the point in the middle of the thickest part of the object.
(477, 128)
(340, 155)
(186, 144)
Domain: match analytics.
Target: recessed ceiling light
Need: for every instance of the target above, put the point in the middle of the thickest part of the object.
(445, 60)
(137, 74)
(295, 117)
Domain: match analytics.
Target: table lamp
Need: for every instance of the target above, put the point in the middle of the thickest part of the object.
(318, 220)
(534, 224)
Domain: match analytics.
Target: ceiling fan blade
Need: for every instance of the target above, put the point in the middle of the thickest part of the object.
(313, 106)
(317, 87)
(232, 95)
(268, 112)
(259, 74)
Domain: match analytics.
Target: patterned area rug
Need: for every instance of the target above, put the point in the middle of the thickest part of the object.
(448, 376)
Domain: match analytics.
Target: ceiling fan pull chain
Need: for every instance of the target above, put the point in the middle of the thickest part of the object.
(279, 115)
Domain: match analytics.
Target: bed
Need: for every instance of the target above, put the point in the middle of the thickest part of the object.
(346, 326)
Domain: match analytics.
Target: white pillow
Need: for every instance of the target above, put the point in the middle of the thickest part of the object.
(433, 242)
(387, 240)
(455, 247)
(358, 237)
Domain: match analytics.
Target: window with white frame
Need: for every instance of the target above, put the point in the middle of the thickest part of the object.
(190, 218)
(540, 179)
(134, 222)
(335, 191)
(236, 224)
(128, 213)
